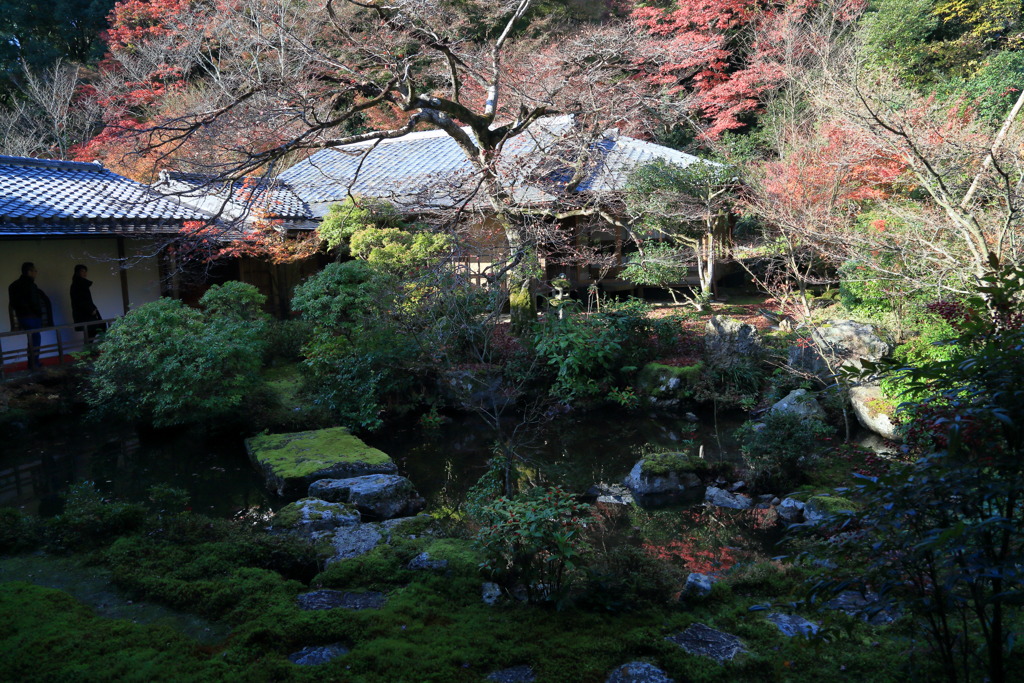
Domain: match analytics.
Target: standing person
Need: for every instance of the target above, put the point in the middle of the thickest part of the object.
(83, 309)
(30, 309)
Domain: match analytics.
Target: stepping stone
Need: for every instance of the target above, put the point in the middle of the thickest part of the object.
(867, 606)
(639, 672)
(793, 625)
(329, 599)
(703, 640)
(423, 562)
(380, 496)
(291, 462)
(313, 656)
(517, 674)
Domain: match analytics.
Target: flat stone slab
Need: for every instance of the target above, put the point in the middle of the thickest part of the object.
(516, 674)
(330, 599)
(380, 496)
(313, 656)
(310, 515)
(354, 541)
(867, 606)
(793, 625)
(639, 672)
(700, 639)
(423, 562)
(291, 462)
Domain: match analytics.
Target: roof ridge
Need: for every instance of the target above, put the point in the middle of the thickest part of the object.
(57, 164)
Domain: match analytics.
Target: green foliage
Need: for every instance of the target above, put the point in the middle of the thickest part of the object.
(662, 195)
(589, 353)
(533, 539)
(659, 266)
(398, 251)
(89, 519)
(18, 531)
(946, 534)
(992, 89)
(352, 215)
(734, 383)
(342, 294)
(780, 449)
(168, 364)
(932, 344)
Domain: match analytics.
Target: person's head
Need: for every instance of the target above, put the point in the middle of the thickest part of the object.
(28, 268)
(81, 271)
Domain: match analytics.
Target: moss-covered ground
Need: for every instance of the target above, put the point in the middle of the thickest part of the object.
(434, 626)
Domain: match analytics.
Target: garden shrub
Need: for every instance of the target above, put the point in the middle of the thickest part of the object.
(167, 364)
(930, 345)
(90, 519)
(533, 540)
(779, 449)
(18, 531)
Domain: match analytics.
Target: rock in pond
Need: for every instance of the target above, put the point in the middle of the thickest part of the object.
(312, 656)
(666, 386)
(703, 640)
(873, 411)
(291, 462)
(728, 341)
(842, 342)
(379, 496)
(639, 672)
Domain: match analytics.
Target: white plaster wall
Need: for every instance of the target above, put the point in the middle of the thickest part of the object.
(55, 260)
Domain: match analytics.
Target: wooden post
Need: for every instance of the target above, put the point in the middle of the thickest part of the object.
(122, 273)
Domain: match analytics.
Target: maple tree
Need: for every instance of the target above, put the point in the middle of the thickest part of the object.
(241, 87)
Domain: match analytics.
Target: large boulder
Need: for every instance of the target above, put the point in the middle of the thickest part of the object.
(799, 402)
(726, 341)
(353, 541)
(378, 496)
(840, 343)
(291, 462)
(666, 386)
(873, 411)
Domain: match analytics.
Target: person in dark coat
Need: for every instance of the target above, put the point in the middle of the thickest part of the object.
(83, 309)
(29, 308)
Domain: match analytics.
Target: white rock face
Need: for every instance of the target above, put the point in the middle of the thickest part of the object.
(801, 403)
(866, 400)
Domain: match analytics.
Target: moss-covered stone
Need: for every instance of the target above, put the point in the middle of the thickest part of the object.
(312, 514)
(291, 462)
(668, 384)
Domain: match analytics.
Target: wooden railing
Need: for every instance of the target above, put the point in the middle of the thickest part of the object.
(55, 345)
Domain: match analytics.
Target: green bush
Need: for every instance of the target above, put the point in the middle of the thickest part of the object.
(167, 364)
(89, 519)
(533, 540)
(779, 449)
(929, 346)
(18, 531)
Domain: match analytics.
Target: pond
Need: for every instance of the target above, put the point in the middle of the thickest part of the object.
(574, 450)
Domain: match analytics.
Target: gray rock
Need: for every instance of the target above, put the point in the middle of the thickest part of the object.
(703, 640)
(330, 599)
(698, 585)
(799, 402)
(791, 510)
(689, 417)
(490, 593)
(639, 672)
(354, 541)
(310, 515)
(815, 509)
(423, 562)
(643, 484)
(610, 494)
(841, 342)
(793, 625)
(313, 656)
(723, 499)
(726, 341)
(866, 605)
(381, 496)
(516, 674)
(872, 411)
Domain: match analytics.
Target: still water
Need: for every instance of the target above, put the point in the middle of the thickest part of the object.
(574, 450)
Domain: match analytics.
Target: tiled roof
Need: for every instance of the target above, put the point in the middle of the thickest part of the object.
(265, 197)
(428, 169)
(38, 196)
